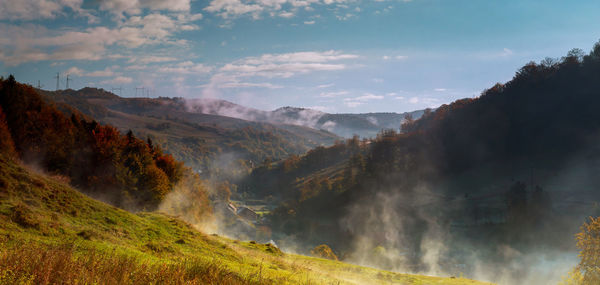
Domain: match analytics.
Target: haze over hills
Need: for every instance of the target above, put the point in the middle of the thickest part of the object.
(498, 183)
(365, 125)
(51, 233)
(211, 135)
(206, 142)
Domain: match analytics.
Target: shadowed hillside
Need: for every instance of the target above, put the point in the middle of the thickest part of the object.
(510, 173)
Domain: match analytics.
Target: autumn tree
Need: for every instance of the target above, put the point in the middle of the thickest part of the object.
(588, 242)
(6, 143)
(97, 158)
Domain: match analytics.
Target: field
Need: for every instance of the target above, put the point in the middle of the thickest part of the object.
(52, 234)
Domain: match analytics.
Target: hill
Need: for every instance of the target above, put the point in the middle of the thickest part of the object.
(53, 234)
(365, 125)
(120, 168)
(510, 174)
(218, 146)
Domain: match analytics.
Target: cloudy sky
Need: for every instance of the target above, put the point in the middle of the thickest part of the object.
(332, 55)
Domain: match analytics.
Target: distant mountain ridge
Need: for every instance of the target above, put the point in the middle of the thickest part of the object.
(209, 143)
(346, 125)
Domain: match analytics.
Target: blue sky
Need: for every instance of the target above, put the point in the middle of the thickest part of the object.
(331, 55)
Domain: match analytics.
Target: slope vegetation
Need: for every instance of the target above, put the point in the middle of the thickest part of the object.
(204, 140)
(514, 169)
(53, 234)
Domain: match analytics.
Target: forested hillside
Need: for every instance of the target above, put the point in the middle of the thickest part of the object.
(509, 170)
(221, 147)
(118, 168)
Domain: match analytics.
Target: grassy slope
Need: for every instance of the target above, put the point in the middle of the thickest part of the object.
(40, 217)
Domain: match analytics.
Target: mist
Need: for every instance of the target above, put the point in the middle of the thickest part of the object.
(393, 232)
(287, 115)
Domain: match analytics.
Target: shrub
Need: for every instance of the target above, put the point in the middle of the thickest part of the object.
(324, 251)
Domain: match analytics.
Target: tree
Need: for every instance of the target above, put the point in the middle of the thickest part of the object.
(6, 143)
(588, 242)
(224, 191)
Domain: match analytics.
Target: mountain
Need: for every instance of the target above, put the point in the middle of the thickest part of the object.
(213, 144)
(366, 125)
(345, 125)
(494, 183)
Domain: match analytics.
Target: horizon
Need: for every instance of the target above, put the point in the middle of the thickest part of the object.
(335, 56)
(218, 99)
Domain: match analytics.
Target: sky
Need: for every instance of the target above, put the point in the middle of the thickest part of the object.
(337, 56)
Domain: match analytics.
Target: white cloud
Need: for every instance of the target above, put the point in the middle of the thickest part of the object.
(118, 80)
(101, 73)
(235, 8)
(74, 71)
(150, 59)
(287, 65)
(186, 67)
(427, 101)
(332, 94)
(345, 17)
(29, 9)
(50, 9)
(495, 54)
(134, 7)
(506, 52)
(241, 73)
(397, 57)
(309, 22)
(353, 104)
(360, 100)
(325, 85)
(27, 42)
(228, 8)
(286, 14)
(367, 97)
(249, 85)
(439, 89)
(40, 9)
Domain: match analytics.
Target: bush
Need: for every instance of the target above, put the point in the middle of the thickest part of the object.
(324, 251)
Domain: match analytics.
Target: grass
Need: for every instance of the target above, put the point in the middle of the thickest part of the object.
(52, 234)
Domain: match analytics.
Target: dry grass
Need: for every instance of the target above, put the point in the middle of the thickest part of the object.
(52, 234)
(60, 265)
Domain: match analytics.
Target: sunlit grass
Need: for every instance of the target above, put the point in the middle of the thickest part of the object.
(52, 234)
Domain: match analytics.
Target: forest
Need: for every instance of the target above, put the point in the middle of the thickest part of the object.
(120, 169)
(482, 172)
